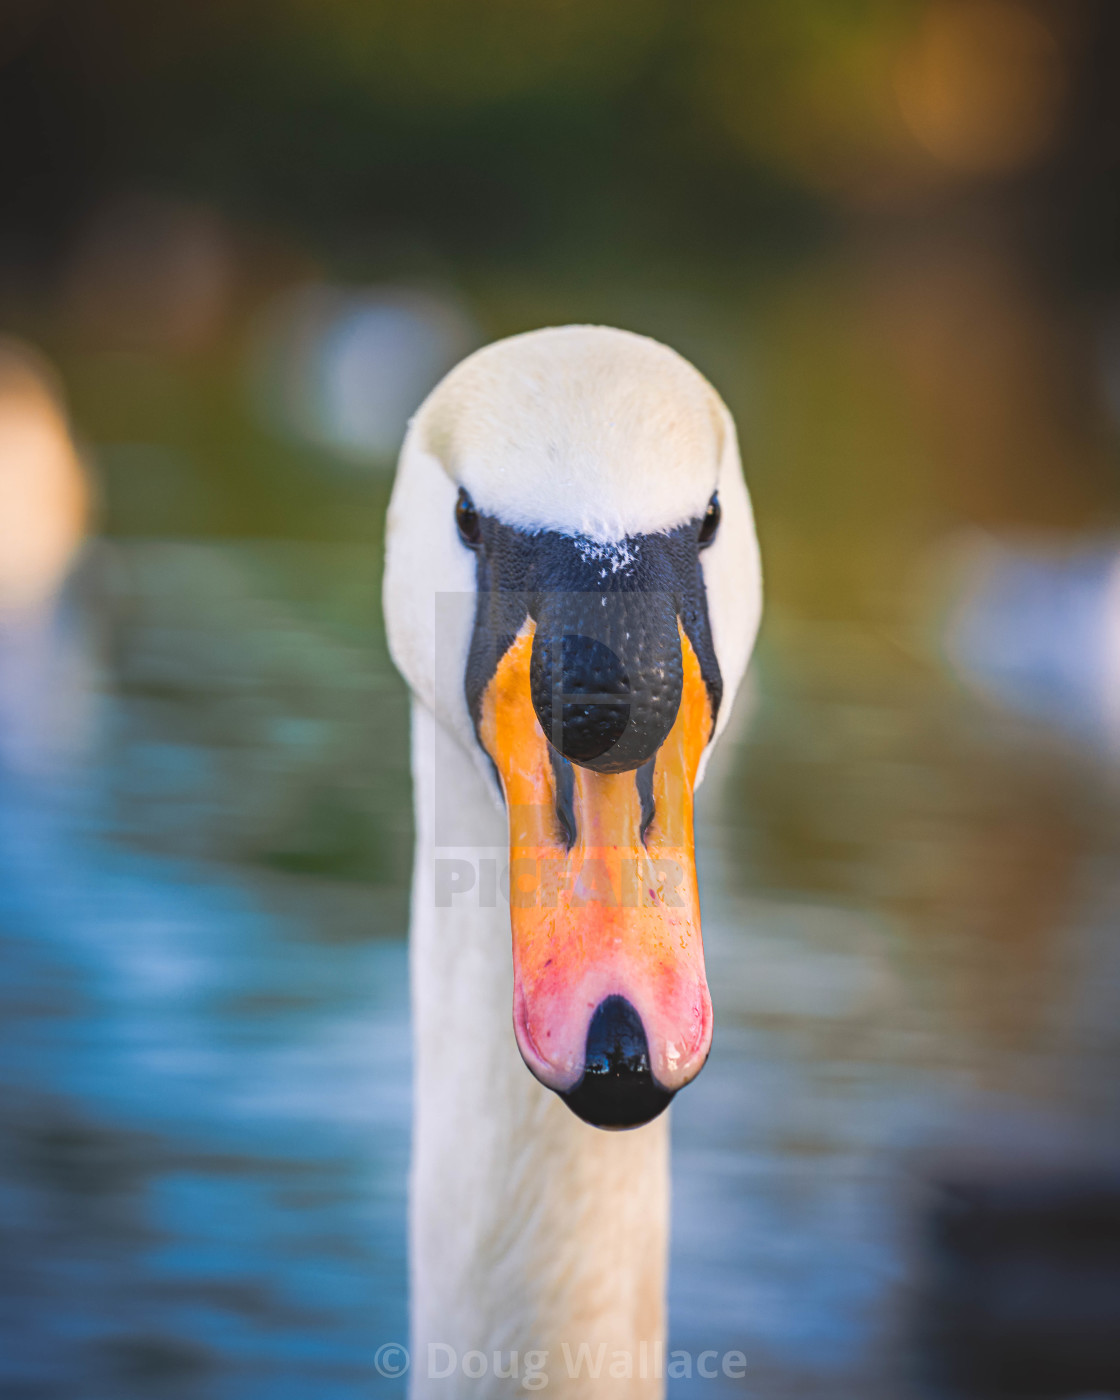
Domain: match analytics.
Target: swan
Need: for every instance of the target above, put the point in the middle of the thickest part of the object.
(45, 507)
(572, 591)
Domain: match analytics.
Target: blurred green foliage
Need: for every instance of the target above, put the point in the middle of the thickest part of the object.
(882, 227)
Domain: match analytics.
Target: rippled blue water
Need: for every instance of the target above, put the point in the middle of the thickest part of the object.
(204, 1050)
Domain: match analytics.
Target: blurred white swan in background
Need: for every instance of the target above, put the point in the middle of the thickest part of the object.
(44, 515)
(1035, 625)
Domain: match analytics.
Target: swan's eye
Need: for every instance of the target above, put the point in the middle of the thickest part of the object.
(710, 524)
(466, 517)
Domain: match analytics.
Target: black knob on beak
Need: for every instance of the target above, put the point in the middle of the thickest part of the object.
(606, 676)
(617, 1089)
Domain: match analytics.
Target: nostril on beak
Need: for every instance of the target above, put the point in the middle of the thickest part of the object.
(617, 1089)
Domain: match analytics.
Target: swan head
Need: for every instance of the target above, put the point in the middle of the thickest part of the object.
(573, 588)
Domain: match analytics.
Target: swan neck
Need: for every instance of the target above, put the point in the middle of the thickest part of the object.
(529, 1231)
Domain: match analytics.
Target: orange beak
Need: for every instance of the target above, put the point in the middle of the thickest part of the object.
(603, 896)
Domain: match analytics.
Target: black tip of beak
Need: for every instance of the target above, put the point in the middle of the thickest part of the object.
(617, 1089)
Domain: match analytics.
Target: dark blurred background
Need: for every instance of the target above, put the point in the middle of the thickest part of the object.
(886, 229)
(239, 242)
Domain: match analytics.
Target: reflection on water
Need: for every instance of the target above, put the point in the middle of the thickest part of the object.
(911, 911)
(206, 1066)
(910, 901)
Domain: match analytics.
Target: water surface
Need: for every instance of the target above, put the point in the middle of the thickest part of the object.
(910, 902)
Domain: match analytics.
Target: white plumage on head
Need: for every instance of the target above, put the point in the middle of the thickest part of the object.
(553, 430)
